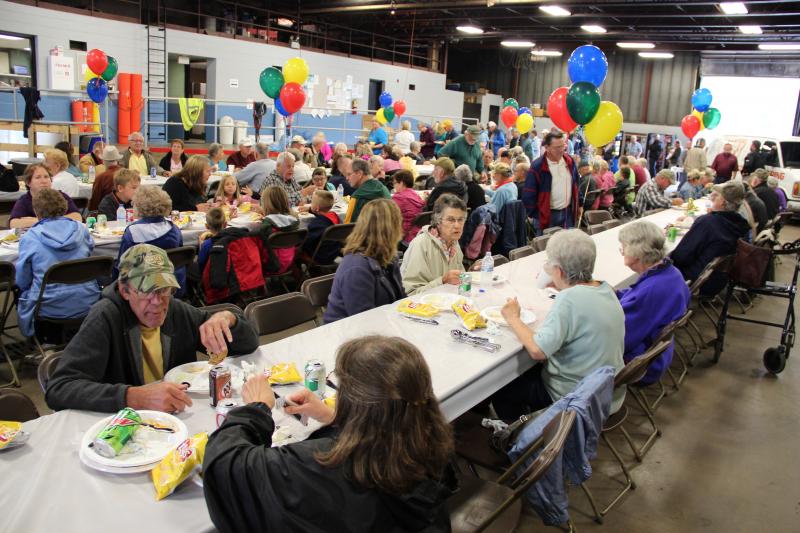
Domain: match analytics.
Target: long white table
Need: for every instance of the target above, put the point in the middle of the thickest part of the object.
(47, 470)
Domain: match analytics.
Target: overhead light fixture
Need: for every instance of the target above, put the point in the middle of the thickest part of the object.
(472, 30)
(779, 46)
(733, 8)
(640, 46)
(547, 53)
(286, 23)
(393, 7)
(27, 49)
(656, 55)
(555, 11)
(11, 37)
(593, 28)
(517, 44)
(751, 30)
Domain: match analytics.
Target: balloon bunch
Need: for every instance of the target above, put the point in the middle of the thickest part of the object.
(580, 104)
(102, 69)
(514, 115)
(389, 109)
(702, 115)
(286, 87)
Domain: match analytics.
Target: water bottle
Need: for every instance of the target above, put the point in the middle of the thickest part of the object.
(121, 213)
(339, 192)
(487, 270)
(153, 173)
(92, 172)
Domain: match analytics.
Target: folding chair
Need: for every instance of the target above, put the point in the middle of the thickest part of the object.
(279, 313)
(318, 289)
(597, 216)
(482, 505)
(16, 406)
(7, 280)
(550, 231)
(499, 259)
(282, 240)
(181, 257)
(72, 272)
(519, 253)
(46, 369)
(423, 219)
(540, 243)
(608, 224)
(338, 233)
(594, 229)
(216, 308)
(705, 304)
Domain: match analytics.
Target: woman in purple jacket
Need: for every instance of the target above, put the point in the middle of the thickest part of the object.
(369, 275)
(660, 295)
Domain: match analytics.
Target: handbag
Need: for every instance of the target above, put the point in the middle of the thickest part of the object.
(750, 265)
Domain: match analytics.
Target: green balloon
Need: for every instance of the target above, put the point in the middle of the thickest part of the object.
(583, 101)
(388, 112)
(511, 102)
(711, 118)
(271, 81)
(111, 70)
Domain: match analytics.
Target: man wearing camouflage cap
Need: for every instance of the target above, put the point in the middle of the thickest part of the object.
(134, 335)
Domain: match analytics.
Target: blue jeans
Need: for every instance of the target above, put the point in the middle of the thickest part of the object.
(558, 217)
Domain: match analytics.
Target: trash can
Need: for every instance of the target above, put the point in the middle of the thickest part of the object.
(241, 131)
(226, 130)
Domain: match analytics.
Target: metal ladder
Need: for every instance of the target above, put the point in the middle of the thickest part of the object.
(156, 109)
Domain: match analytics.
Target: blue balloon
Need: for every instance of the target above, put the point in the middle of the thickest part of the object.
(279, 108)
(385, 99)
(701, 100)
(588, 63)
(97, 89)
(524, 111)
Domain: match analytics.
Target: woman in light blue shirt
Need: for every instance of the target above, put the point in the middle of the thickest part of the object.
(584, 330)
(505, 190)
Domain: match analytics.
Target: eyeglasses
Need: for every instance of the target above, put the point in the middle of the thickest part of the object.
(156, 295)
(454, 220)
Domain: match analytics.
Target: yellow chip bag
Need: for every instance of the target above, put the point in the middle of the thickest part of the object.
(469, 316)
(283, 374)
(179, 465)
(245, 207)
(8, 430)
(330, 401)
(417, 309)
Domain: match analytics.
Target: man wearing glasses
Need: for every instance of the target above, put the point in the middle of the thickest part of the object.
(137, 158)
(134, 335)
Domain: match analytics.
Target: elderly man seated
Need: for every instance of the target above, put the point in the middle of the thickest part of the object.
(244, 156)
(445, 182)
(651, 195)
(283, 177)
(584, 330)
(255, 173)
(136, 333)
(137, 158)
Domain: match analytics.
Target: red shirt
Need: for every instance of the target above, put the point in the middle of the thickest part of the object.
(725, 165)
(638, 172)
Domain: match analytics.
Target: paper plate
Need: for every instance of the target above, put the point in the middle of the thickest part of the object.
(495, 277)
(443, 301)
(147, 446)
(493, 314)
(86, 458)
(196, 375)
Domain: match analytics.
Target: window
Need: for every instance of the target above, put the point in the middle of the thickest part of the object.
(16, 60)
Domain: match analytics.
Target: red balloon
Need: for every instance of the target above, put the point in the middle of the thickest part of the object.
(97, 61)
(399, 107)
(557, 109)
(292, 97)
(690, 125)
(509, 116)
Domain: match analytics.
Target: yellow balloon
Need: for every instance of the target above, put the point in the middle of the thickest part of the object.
(699, 115)
(605, 125)
(295, 70)
(380, 117)
(524, 123)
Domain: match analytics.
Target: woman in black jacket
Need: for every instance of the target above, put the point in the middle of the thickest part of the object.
(187, 188)
(174, 160)
(383, 465)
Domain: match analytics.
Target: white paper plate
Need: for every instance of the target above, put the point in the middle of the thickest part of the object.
(496, 278)
(147, 446)
(86, 458)
(443, 301)
(196, 375)
(493, 314)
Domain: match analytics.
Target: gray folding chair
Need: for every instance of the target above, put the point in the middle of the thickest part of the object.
(46, 369)
(608, 224)
(280, 313)
(594, 229)
(540, 243)
(597, 216)
(318, 289)
(16, 406)
(519, 253)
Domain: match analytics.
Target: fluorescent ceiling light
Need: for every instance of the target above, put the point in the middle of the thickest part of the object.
(555, 11)
(733, 8)
(641, 46)
(517, 44)
(593, 28)
(751, 30)
(472, 30)
(286, 23)
(11, 37)
(656, 55)
(27, 49)
(547, 53)
(779, 46)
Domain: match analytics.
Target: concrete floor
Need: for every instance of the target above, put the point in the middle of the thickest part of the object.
(726, 460)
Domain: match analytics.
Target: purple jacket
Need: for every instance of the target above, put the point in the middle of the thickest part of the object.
(23, 207)
(659, 297)
(361, 284)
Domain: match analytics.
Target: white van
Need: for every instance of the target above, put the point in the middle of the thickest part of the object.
(785, 161)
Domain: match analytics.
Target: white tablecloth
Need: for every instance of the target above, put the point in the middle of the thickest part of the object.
(47, 472)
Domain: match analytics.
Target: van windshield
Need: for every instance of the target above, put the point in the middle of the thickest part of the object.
(791, 154)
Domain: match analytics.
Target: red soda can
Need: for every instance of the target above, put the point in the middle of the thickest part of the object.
(128, 216)
(219, 384)
(223, 408)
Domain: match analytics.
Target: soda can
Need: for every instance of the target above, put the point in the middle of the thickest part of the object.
(102, 221)
(219, 385)
(464, 284)
(128, 216)
(153, 172)
(672, 234)
(223, 408)
(315, 377)
(117, 433)
(90, 222)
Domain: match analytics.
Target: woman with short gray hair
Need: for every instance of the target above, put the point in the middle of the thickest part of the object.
(658, 297)
(772, 183)
(583, 331)
(216, 155)
(476, 196)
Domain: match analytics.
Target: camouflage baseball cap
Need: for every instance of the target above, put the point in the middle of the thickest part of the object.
(147, 268)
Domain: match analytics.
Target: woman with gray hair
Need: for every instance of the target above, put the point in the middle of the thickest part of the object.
(658, 297)
(476, 197)
(772, 183)
(583, 331)
(404, 137)
(216, 156)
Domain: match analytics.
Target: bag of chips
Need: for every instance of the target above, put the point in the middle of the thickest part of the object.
(283, 374)
(330, 401)
(470, 317)
(8, 432)
(417, 309)
(179, 465)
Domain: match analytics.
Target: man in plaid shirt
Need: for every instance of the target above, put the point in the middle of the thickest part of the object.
(651, 195)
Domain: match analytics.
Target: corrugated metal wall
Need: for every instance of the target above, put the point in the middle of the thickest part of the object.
(671, 86)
